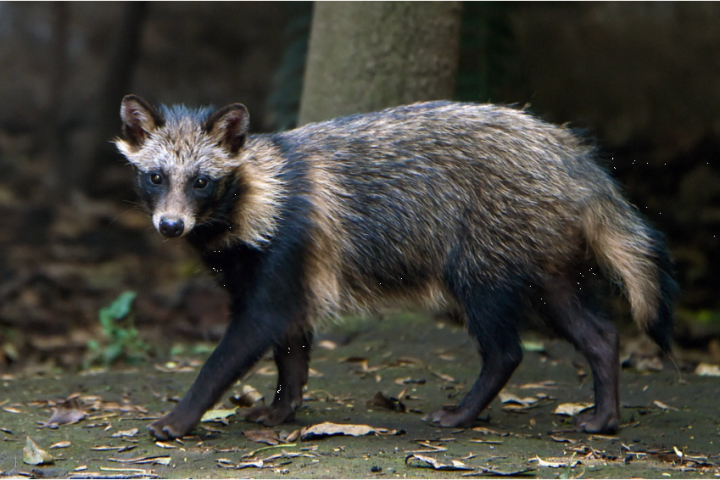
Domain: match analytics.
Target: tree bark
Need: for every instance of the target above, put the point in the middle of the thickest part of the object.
(366, 56)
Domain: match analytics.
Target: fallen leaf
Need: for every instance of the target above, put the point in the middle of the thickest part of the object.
(328, 429)
(430, 462)
(555, 464)
(443, 377)
(545, 384)
(173, 367)
(165, 445)
(562, 440)
(247, 397)
(433, 448)
(489, 442)
(67, 413)
(12, 410)
(707, 370)
(389, 403)
(499, 473)
(218, 414)
(507, 397)
(267, 371)
(63, 444)
(239, 466)
(34, 455)
(98, 475)
(572, 409)
(533, 346)
(155, 460)
(362, 361)
(263, 436)
(314, 373)
(407, 380)
(487, 431)
(125, 433)
(327, 344)
(663, 406)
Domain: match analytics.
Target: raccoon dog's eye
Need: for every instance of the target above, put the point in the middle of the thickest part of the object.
(201, 183)
(156, 178)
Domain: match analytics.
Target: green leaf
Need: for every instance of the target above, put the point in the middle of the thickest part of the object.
(120, 308)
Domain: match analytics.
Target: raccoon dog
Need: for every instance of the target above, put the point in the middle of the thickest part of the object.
(479, 210)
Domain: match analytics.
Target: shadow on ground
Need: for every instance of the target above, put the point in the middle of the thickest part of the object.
(670, 419)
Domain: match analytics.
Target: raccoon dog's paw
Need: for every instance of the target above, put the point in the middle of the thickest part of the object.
(594, 423)
(452, 417)
(270, 416)
(170, 426)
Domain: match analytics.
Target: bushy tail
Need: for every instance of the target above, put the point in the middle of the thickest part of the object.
(636, 256)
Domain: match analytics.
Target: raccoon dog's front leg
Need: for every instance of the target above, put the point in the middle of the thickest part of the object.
(243, 344)
(292, 357)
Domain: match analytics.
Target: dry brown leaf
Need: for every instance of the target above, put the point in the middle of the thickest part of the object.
(327, 344)
(488, 442)
(63, 444)
(67, 413)
(126, 433)
(705, 369)
(499, 473)
(507, 397)
(388, 403)
(487, 431)
(238, 466)
(34, 455)
(247, 397)
(267, 371)
(443, 377)
(154, 460)
(218, 415)
(362, 361)
(660, 404)
(421, 461)
(545, 384)
(173, 367)
(407, 380)
(558, 463)
(572, 409)
(327, 429)
(263, 436)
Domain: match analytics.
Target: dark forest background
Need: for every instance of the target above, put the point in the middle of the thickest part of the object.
(641, 80)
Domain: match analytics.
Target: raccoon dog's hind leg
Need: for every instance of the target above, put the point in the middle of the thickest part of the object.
(572, 315)
(292, 357)
(493, 315)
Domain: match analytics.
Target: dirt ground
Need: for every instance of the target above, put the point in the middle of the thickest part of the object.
(669, 417)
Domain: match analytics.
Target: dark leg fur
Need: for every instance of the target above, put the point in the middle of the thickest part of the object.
(491, 320)
(598, 340)
(242, 346)
(291, 357)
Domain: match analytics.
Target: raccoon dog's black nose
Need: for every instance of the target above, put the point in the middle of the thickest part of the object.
(171, 228)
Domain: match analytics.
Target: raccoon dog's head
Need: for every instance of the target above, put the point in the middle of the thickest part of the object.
(184, 160)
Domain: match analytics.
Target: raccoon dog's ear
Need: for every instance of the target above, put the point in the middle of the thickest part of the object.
(229, 126)
(139, 119)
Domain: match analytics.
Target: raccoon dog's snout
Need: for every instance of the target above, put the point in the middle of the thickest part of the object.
(171, 227)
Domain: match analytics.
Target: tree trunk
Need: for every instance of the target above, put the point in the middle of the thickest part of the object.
(366, 56)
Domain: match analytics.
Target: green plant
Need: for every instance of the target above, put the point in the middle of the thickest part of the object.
(120, 335)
